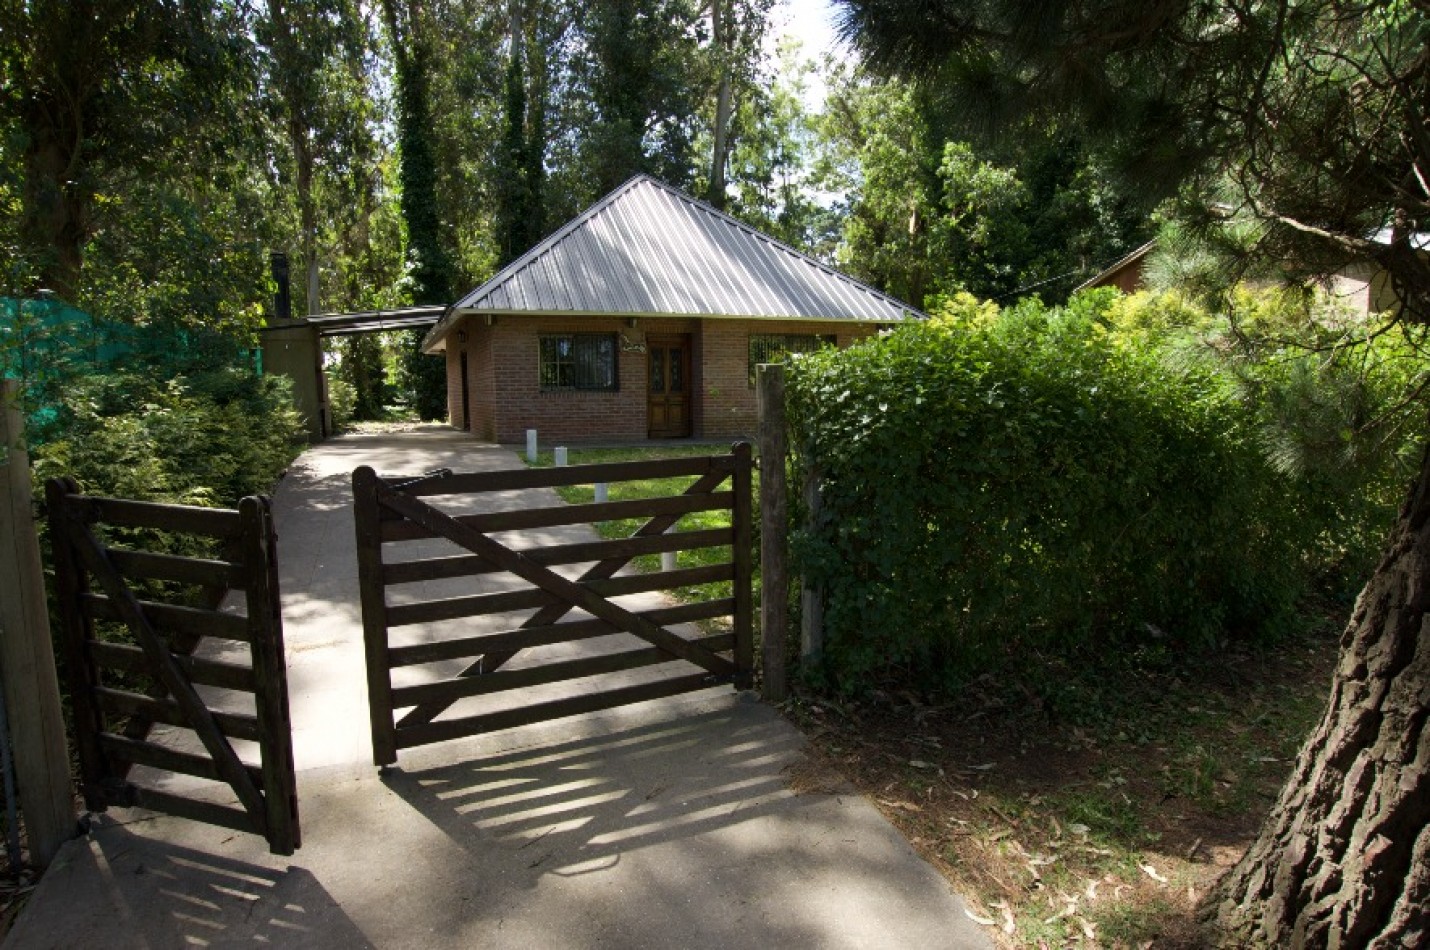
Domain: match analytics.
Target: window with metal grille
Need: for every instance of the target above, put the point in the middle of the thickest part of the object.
(585, 361)
(773, 347)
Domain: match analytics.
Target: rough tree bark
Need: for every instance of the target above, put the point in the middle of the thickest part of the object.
(1344, 858)
(720, 39)
(55, 216)
(298, 101)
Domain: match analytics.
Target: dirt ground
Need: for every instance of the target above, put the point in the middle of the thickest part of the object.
(1103, 825)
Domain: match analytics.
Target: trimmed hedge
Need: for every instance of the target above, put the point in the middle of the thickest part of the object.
(995, 484)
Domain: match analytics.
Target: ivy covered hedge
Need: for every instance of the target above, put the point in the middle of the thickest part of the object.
(1087, 478)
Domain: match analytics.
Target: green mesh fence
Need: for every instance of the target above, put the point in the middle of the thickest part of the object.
(47, 344)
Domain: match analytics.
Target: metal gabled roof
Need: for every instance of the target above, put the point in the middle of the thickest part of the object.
(647, 249)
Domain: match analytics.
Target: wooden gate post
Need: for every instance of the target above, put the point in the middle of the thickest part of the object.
(27, 659)
(811, 598)
(774, 528)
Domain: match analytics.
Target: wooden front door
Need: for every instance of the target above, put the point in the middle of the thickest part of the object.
(668, 392)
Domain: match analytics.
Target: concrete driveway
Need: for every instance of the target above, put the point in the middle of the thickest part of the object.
(692, 822)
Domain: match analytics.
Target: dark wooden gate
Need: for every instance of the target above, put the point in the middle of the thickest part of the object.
(133, 619)
(389, 512)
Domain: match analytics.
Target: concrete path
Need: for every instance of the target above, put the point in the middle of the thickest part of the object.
(693, 822)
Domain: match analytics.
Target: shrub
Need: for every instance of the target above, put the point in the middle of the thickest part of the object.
(208, 438)
(342, 401)
(1048, 480)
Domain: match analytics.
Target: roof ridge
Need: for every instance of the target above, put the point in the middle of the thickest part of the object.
(757, 244)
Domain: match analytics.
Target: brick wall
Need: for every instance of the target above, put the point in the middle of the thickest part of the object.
(506, 396)
(481, 408)
(727, 398)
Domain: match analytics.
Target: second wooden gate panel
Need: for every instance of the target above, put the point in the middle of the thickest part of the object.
(477, 619)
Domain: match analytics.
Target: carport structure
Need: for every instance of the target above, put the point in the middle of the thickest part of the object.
(293, 347)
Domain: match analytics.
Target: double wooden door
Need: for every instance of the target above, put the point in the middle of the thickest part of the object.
(668, 391)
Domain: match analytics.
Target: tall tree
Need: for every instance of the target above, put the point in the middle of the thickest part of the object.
(1311, 119)
(410, 37)
(723, 49)
(644, 80)
(94, 87)
(315, 84)
(535, 38)
(774, 159)
(736, 54)
(430, 278)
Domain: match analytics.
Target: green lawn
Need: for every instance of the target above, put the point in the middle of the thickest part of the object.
(653, 488)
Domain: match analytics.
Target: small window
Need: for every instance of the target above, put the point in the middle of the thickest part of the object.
(772, 347)
(583, 361)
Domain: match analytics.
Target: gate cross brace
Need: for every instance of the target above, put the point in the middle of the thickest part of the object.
(600, 571)
(161, 660)
(553, 583)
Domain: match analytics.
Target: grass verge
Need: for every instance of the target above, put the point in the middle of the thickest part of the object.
(652, 488)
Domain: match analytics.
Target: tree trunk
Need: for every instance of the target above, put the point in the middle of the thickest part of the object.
(1344, 858)
(719, 31)
(54, 221)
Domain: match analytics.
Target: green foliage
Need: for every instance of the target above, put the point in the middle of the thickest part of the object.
(1065, 480)
(934, 209)
(204, 439)
(342, 400)
(645, 78)
(361, 367)
(422, 379)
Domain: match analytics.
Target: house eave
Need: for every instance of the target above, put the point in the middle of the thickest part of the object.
(436, 338)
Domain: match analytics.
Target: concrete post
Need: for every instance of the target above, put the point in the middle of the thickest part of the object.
(531, 446)
(560, 453)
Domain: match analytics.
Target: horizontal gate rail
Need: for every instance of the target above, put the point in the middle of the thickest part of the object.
(172, 618)
(222, 524)
(406, 572)
(143, 672)
(547, 635)
(516, 479)
(455, 608)
(527, 519)
(425, 733)
(390, 512)
(501, 680)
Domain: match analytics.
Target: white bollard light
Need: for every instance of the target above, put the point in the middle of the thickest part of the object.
(531, 446)
(667, 560)
(602, 493)
(560, 453)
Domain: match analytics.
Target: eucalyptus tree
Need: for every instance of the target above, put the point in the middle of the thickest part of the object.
(315, 57)
(644, 79)
(774, 173)
(737, 34)
(1311, 118)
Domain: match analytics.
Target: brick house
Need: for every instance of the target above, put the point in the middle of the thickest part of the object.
(643, 317)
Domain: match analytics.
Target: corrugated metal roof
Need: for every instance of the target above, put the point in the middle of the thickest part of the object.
(647, 249)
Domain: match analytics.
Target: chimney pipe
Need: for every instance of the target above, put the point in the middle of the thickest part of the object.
(283, 297)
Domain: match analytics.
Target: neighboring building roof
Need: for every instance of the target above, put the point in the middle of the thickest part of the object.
(1108, 276)
(647, 249)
